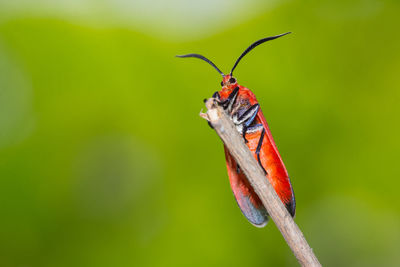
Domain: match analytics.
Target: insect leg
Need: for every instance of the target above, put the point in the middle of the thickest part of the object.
(247, 117)
(216, 95)
(227, 104)
(237, 168)
(232, 98)
(255, 128)
(259, 148)
(244, 130)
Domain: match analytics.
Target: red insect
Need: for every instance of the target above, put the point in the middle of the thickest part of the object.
(244, 110)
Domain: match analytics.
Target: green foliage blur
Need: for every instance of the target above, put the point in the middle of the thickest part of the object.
(104, 160)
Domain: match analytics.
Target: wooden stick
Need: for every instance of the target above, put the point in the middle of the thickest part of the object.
(234, 142)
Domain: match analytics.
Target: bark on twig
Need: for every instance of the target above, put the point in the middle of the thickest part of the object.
(234, 142)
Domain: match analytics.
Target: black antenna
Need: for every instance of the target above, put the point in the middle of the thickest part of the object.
(205, 59)
(253, 45)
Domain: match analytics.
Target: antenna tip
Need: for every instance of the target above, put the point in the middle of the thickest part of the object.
(284, 34)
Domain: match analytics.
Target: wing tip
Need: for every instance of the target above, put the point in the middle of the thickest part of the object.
(291, 206)
(256, 216)
(262, 225)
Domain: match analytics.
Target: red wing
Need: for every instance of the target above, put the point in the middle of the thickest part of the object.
(247, 199)
(270, 158)
(273, 164)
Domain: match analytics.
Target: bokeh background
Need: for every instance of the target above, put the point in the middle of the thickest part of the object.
(104, 160)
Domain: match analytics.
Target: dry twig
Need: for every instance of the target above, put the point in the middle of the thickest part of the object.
(234, 142)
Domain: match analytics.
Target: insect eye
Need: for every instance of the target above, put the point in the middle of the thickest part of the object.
(232, 80)
(222, 83)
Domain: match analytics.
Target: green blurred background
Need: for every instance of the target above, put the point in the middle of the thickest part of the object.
(104, 160)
